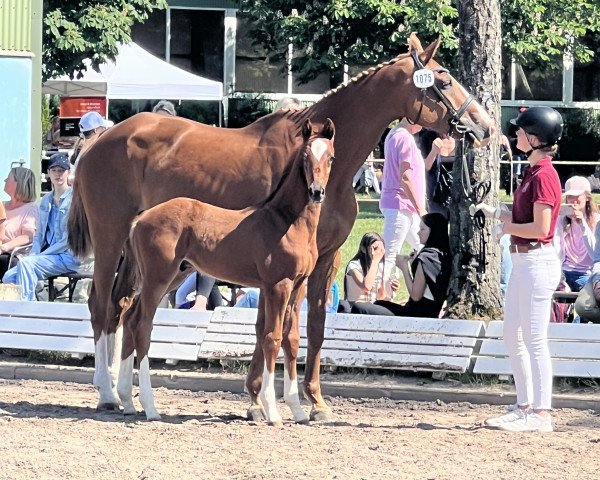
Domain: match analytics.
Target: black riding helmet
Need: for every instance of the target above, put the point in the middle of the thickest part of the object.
(543, 122)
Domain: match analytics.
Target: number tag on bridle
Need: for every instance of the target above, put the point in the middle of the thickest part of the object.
(423, 78)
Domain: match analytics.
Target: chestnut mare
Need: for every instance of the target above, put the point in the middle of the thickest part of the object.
(272, 246)
(149, 158)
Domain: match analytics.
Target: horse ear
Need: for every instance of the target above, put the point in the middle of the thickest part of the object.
(307, 129)
(328, 129)
(414, 43)
(429, 52)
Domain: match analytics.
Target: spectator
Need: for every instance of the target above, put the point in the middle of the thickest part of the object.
(366, 177)
(50, 254)
(427, 276)
(438, 165)
(248, 298)
(363, 278)
(574, 237)
(91, 126)
(22, 214)
(288, 103)
(403, 199)
(164, 107)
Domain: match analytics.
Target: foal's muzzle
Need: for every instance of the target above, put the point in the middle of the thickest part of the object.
(316, 193)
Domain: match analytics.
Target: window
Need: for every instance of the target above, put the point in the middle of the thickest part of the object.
(539, 83)
(151, 34)
(197, 42)
(586, 77)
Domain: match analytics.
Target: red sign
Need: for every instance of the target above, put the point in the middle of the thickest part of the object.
(75, 107)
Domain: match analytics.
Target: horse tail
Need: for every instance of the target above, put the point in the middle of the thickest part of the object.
(80, 241)
(128, 275)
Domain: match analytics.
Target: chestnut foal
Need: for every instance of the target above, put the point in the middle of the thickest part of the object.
(272, 246)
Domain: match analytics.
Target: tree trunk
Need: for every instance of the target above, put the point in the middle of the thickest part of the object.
(474, 286)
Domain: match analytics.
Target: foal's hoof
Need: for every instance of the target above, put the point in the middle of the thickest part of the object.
(110, 406)
(321, 415)
(153, 417)
(256, 414)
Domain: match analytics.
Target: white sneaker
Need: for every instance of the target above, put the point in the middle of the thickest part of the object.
(513, 412)
(531, 422)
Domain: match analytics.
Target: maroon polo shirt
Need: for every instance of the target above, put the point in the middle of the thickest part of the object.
(540, 185)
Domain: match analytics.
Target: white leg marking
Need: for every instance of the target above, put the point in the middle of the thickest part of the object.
(115, 346)
(291, 397)
(146, 396)
(267, 396)
(125, 385)
(102, 379)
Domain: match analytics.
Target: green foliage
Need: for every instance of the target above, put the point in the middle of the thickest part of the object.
(244, 111)
(46, 117)
(76, 30)
(328, 33)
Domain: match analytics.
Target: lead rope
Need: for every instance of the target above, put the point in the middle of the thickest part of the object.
(476, 194)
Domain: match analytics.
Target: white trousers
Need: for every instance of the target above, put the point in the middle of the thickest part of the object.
(534, 277)
(398, 226)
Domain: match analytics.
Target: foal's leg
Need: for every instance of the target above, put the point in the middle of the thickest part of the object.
(276, 301)
(125, 379)
(256, 411)
(319, 284)
(291, 344)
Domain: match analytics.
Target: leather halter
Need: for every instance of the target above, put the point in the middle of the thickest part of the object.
(455, 114)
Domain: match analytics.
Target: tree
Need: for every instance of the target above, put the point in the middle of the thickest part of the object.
(88, 29)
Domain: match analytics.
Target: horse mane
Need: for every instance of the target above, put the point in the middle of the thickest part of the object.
(365, 73)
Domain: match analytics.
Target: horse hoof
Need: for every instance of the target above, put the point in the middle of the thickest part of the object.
(256, 414)
(154, 417)
(129, 411)
(110, 406)
(321, 416)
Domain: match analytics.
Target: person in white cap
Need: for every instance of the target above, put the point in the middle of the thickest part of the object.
(91, 126)
(574, 237)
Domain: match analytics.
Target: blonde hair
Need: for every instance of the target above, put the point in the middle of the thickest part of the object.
(25, 191)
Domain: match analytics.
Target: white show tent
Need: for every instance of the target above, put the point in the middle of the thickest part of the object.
(137, 74)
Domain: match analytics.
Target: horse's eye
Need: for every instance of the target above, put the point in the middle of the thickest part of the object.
(331, 159)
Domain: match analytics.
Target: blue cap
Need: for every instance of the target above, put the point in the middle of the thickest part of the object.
(59, 160)
(91, 121)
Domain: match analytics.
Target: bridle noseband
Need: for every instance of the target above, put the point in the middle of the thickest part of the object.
(455, 115)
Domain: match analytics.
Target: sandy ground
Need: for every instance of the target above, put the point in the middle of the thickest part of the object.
(51, 430)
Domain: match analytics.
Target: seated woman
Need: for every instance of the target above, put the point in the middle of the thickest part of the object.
(574, 236)
(427, 277)
(248, 298)
(22, 214)
(207, 295)
(50, 254)
(363, 279)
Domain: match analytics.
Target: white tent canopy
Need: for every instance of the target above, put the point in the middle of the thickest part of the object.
(137, 74)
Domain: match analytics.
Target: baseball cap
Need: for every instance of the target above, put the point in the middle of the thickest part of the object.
(165, 106)
(576, 186)
(59, 160)
(90, 121)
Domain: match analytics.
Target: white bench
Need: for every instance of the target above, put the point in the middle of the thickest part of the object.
(66, 327)
(574, 349)
(358, 340)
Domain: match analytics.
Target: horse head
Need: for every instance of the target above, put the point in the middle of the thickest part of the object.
(317, 158)
(438, 101)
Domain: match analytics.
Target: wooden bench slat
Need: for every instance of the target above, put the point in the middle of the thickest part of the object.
(47, 310)
(560, 368)
(69, 328)
(558, 349)
(174, 351)
(359, 336)
(49, 343)
(587, 332)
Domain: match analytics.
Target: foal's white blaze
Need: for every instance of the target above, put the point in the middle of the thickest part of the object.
(267, 396)
(146, 396)
(125, 385)
(318, 147)
(102, 378)
(291, 397)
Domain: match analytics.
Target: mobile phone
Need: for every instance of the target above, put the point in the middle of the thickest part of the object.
(566, 209)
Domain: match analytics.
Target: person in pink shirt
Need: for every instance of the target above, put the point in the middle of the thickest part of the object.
(22, 214)
(574, 237)
(403, 197)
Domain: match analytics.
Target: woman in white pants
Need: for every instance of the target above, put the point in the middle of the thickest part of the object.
(535, 273)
